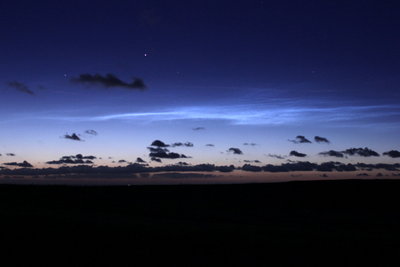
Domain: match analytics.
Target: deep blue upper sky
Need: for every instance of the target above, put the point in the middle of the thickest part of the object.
(246, 71)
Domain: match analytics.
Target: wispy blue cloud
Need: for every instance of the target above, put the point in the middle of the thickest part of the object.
(259, 115)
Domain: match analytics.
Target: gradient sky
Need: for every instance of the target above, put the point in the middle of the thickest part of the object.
(247, 71)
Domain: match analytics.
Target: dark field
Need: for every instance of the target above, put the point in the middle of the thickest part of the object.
(327, 223)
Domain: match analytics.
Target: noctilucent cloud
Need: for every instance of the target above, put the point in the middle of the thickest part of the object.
(109, 79)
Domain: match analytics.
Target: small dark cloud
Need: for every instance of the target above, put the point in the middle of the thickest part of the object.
(88, 157)
(159, 143)
(379, 174)
(362, 174)
(167, 155)
(392, 154)
(297, 154)
(249, 144)
(73, 136)
(210, 145)
(252, 161)
(276, 156)
(92, 132)
(187, 144)
(324, 175)
(235, 150)
(10, 154)
(23, 164)
(77, 159)
(155, 159)
(198, 128)
(140, 160)
(332, 153)
(122, 161)
(109, 80)
(157, 149)
(300, 139)
(320, 139)
(20, 87)
(363, 152)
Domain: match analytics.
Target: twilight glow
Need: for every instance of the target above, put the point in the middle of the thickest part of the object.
(251, 89)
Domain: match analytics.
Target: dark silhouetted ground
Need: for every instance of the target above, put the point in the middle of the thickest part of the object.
(326, 223)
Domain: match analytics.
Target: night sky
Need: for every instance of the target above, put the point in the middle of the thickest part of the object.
(218, 82)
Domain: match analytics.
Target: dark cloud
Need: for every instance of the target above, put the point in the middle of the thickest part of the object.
(235, 150)
(287, 167)
(209, 145)
(276, 156)
(392, 154)
(332, 153)
(92, 132)
(251, 168)
(308, 166)
(335, 166)
(159, 143)
(363, 152)
(140, 160)
(362, 174)
(73, 136)
(187, 144)
(297, 154)
(252, 161)
(155, 159)
(88, 171)
(10, 154)
(167, 155)
(249, 144)
(23, 164)
(108, 81)
(229, 168)
(86, 157)
(198, 128)
(300, 140)
(320, 139)
(122, 161)
(20, 87)
(368, 167)
(159, 151)
(77, 159)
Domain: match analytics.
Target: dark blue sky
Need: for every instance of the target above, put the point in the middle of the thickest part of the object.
(246, 71)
